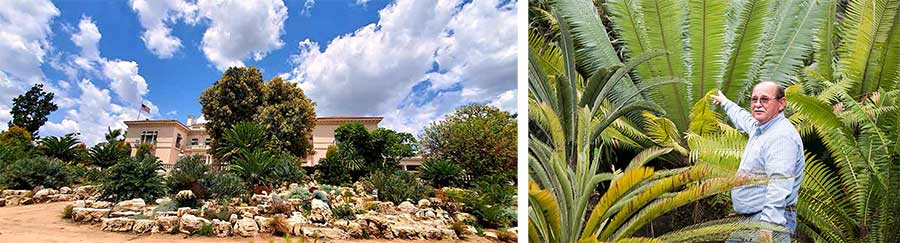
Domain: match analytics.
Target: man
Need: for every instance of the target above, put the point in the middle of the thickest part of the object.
(774, 151)
(318, 194)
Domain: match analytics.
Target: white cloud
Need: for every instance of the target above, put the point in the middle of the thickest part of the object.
(94, 113)
(24, 32)
(126, 82)
(155, 16)
(87, 38)
(307, 6)
(372, 70)
(238, 29)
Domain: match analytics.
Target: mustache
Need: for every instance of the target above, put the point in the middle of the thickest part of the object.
(759, 109)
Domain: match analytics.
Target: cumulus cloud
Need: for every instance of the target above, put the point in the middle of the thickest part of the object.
(125, 80)
(440, 44)
(307, 6)
(238, 29)
(156, 16)
(95, 112)
(87, 38)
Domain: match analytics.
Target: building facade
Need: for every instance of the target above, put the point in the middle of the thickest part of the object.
(172, 140)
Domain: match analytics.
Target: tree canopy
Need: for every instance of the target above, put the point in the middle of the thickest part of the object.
(241, 95)
(480, 138)
(30, 109)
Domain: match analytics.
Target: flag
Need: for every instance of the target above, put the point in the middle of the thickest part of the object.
(145, 108)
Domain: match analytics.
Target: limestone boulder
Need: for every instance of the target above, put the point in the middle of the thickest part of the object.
(142, 226)
(464, 217)
(246, 227)
(2, 202)
(324, 232)
(407, 207)
(44, 195)
(190, 223)
(89, 214)
(320, 212)
(253, 211)
(123, 214)
(99, 204)
(221, 228)
(265, 224)
(22, 193)
(385, 207)
(424, 203)
(407, 232)
(85, 192)
(136, 205)
(65, 190)
(63, 197)
(12, 200)
(166, 224)
(117, 224)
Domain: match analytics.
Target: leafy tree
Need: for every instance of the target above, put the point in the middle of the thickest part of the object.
(333, 169)
(360, 151)
(479, 138)
(242, 96)
(134, 177)
(16, 137)
(106, 154)
(30, 110)
(65, 148)
(145, 150)
(440, 173)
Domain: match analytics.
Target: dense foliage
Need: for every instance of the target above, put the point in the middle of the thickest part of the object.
(30, 109)
(224, 185)
(29, 173)
(360, 152)
(441, 173)
(398, 186)
(186, 175)
(134, 177)
(65, 148)
(241, 95)
(479, 138)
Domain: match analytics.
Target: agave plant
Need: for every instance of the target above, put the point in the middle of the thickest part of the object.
(850, 195)
(569, 115)
(64, 148)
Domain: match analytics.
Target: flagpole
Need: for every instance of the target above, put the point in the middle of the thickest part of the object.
(140, 110)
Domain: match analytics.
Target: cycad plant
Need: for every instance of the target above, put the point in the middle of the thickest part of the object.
(64, 148)
(730, 45)
(240, 138)
(255, 168)
(851, 194)
(568, 115)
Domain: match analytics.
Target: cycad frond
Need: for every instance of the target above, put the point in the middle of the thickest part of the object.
(706, 37)
(793, 38)
(716, 230)
(626, 20)
(595, 50)
(664, 20)
(744, 58)
(882, 68)
(862, 20)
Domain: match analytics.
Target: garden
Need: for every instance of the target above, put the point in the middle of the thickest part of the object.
(465, 189)
(625, 145)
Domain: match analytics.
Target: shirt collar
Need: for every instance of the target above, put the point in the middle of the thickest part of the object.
(766, 126)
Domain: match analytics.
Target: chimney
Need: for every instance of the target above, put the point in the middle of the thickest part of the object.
(190, 120)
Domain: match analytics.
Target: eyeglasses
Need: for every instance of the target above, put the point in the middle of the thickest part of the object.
(763, 100)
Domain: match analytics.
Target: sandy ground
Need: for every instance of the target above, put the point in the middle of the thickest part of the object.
(42, 223)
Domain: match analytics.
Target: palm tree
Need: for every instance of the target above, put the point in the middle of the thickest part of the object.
(441, 173)
(851, 194)
(63, 148)
(106, 154)
(113, 135)
(255, 168)
(242, 137)
(569, 115)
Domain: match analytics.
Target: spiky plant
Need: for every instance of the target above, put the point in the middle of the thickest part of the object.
(441, 173)
(569, 117)
(254, 168)
(64, 148)
(240, 138)
(106, 154)
(850, 195)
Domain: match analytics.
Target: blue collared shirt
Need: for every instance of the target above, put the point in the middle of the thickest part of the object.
(775, 151)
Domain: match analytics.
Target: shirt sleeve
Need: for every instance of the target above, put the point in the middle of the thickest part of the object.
(781, 158)
(739, 117)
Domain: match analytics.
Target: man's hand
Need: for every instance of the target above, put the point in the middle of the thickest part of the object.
(718, 99)
(765, 236)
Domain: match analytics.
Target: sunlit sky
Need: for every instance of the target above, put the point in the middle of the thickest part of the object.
(410, 61)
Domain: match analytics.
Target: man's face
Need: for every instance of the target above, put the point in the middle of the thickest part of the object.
(764, 104)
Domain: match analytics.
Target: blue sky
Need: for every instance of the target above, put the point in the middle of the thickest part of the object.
(409, 61)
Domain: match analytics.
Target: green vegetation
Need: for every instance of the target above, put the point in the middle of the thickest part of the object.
(134, 177)
(30, 109)
(398, 186)
(29, 173)
(441, 173)
(360, 152)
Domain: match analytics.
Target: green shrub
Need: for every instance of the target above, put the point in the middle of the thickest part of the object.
(287, 169)
(82, 174)
(398, 186)
(133, 178)
(205, 230)
(330, 170)
(344, 211)
(29, 173)
(492, 202)
(167, 206)
(106, 154)
(67, 212)
(301, 193)
(224, 186)
(220, 213)
(186, 174)
(441, 173)
(186, 198)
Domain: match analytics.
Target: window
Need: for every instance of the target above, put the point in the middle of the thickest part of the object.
(178, 141)
(194, 141)
(149, 137)
(207, 141)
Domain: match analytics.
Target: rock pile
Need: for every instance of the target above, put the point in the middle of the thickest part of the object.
(45, 195)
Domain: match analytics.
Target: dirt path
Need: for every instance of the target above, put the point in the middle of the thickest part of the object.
(42, 223)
